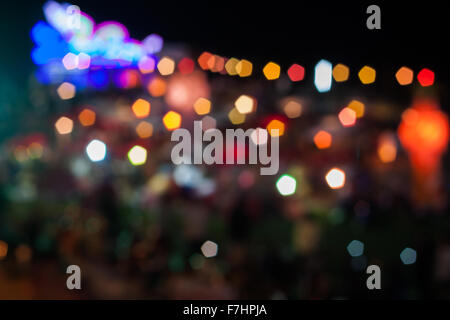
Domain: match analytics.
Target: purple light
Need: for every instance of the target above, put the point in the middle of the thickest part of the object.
(153, 43)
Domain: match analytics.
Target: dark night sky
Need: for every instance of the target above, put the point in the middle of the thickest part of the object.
(284, 31)
(280, 30)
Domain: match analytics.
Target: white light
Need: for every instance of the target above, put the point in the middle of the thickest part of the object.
(137, 155)
(96, 150)
(323, 75)
(187, 176)
(286, 185)
(335, 178)
(70, 61)
(259, 136)
(209, 249)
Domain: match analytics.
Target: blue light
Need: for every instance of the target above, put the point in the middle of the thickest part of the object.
(42, 33)
(98, 79)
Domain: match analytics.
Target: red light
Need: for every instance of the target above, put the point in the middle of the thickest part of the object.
(296, 72)
(425, 77)
(186, 66)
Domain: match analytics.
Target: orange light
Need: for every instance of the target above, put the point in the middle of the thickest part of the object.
(340, 73)
(141, 108)
(64, 125)
(184, 90)
(3, 249)
(202, 106)
(322, 139)
(424, 130)
(244, 68)
(128, 79)
(367, 75)
(172, 120)
(144, 129)
(230, 66)
(276, 125)
(218, 65)
(87, 117)
(203, 60)
(292, 108)
(66, 91)
(387, 148)
(358, 107)
(166, 66)
(347, 117)
(271, 71)
(157, 87)
(404, 76)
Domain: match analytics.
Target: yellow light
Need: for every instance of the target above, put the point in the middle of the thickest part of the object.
(275, 125)
(66, 91)
(166, 66)
(236, 117)
(335, 178)
(20, 153)
(245, 104)
(340, 72)
(157, 87)
(404, 76)
(144, 129)
(387, 148)
(137, 155)
(347, 117)
(64, 125)
(292, 109)
(141, 108)
(230, 66)
(244, 68)
(202, 106)
(271, 71)
(172, 120)
(367, 75)
(87, 117)
(358, 107)
(322, 139)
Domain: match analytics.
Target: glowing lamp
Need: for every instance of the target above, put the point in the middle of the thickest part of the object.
(424, 133)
